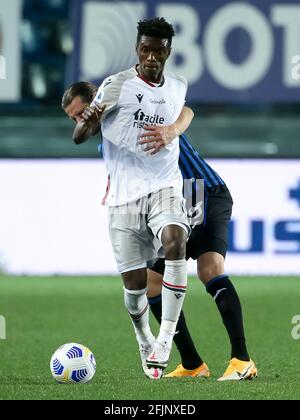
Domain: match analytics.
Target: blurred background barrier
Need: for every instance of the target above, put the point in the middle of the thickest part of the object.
(242, 61)
(228, 51)
(10, 50)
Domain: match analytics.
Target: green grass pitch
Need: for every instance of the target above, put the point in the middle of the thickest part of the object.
(44, 313)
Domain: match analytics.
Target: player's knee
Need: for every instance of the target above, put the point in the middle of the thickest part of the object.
(175, 249)
(135, 280)
(209, 272)
(174, 242)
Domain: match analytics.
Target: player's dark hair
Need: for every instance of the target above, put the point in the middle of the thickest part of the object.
(157, 27)
(85, 90)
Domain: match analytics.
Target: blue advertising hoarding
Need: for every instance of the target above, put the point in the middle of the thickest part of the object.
(264, 233)
(229, 51)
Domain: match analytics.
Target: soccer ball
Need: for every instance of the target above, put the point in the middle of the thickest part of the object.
(73, 364)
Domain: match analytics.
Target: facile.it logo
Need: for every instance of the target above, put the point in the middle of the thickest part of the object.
(141, 119)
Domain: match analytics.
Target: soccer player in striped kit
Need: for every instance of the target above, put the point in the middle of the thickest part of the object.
(208, 246)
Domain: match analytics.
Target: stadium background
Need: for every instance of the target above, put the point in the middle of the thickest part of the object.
(242, 61)
(244, 88)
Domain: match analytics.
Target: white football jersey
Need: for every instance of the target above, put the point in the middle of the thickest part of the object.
(131, 103)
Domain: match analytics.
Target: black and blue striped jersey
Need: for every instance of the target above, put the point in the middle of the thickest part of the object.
(193, 167)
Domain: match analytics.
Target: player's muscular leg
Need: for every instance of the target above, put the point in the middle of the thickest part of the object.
(154, 284)
(210, 266)
(135, 280)
(174, 242)
(173, 293)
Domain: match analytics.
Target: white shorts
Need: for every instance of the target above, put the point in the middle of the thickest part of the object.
(136, 228)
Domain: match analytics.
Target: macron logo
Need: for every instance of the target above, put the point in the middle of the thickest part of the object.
(140, 98)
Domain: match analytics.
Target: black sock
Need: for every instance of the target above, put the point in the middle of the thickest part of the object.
(228, 302)
(183, 340)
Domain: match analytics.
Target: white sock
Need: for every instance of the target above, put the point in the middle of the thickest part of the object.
(173, 294)
(137, 305)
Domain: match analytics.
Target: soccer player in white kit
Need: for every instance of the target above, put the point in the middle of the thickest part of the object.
(146, 207)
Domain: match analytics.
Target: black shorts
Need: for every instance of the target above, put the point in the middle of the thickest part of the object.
(212, 235)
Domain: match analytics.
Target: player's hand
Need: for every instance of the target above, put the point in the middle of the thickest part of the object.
(93, 114)
(157, 137)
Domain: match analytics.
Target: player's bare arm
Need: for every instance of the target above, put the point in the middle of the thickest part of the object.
(89, 125)
(82, 133)
(158, 137)
(76, 104)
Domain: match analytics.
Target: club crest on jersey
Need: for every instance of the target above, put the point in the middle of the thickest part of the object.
(141, 119)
